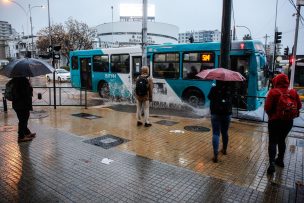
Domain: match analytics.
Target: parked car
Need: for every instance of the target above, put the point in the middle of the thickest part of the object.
(60, 75)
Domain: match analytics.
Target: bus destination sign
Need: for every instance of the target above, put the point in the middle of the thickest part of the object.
(207, 57)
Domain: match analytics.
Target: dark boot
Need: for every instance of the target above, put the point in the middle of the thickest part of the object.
(271, 169)
(279, 162)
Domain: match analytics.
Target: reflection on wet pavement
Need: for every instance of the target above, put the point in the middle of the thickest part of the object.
(154, 165)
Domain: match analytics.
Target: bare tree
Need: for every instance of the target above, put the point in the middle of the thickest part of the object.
(73, 36)
(247, 37)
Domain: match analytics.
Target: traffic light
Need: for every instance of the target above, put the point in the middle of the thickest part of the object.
(278, 37)
(56, 53)
(291, 60)
(286, 51)
(191, 39)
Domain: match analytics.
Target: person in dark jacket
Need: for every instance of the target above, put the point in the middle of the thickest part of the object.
(143, 102)
(22, 104)
(278, 128)
(221, 110)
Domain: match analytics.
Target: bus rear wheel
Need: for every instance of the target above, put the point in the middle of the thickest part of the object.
(104, 90)
(194, 98)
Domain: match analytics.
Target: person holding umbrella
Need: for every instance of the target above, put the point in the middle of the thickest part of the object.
(22, 104)
(220, 97)
(221, 110)
(22, 90)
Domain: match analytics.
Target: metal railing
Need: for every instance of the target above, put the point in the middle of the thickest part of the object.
(65, 96)
(259, 114)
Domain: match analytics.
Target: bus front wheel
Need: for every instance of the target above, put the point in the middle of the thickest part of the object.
(104, 90)
(194, 97)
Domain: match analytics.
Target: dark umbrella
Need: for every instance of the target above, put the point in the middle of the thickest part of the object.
(26, 67)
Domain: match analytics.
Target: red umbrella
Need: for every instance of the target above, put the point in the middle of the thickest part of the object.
(220, 74)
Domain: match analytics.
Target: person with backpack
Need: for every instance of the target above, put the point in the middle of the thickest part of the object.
(22, 93)
(143, 93)
(282, 105)
(221, 110)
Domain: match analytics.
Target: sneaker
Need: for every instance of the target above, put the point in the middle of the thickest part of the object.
(224, 151)
(32, 135)
(271, 169)
(279, 163)
(148, 124)
(139, 123)
(25, 139)
(214, 159)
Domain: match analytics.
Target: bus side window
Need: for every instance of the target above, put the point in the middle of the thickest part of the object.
(120, 63)
(74, 62)
(166, 65)
(101, 63)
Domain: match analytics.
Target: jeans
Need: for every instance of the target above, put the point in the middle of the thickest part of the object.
(278, 131)
(220, 124)
(142, 106)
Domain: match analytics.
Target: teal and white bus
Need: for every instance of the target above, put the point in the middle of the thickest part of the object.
(112, 72)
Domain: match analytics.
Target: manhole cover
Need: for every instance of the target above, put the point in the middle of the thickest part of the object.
(38, 114)
(86, 116)
(166, 122)
(106, 141)
(195, 128)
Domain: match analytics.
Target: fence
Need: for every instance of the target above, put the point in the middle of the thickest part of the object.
(55, 96)
(259, 115)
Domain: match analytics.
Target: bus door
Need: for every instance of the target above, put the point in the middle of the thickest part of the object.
(136, 67)
(86, 73)
(240, 64)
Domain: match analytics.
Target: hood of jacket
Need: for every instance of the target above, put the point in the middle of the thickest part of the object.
(280, 81)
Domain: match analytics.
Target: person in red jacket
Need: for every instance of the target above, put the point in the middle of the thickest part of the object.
(278, 127)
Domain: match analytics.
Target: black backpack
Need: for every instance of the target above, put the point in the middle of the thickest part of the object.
(223, 101)
(142, 86)
(8, 94)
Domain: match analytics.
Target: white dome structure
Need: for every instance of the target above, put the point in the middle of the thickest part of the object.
(129, 33)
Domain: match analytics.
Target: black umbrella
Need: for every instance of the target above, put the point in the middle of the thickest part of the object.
(26, 67)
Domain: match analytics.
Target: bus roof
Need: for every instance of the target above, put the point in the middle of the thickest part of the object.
(120, 50)
(212, 46)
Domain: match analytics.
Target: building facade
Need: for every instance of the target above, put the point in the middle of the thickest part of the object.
(200, 36)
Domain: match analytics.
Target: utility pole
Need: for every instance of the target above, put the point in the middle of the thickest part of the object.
(266, 36)
(52, 52)
(144, 32)
(293, 67)
(274, 40)
(225, 35)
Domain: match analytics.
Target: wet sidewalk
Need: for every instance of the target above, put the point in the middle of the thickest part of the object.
(168, 162)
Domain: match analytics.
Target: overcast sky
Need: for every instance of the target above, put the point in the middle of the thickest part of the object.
(257, 15)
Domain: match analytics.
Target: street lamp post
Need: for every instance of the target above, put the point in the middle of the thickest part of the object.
(246, 28)
(112, 26)
(31, 22)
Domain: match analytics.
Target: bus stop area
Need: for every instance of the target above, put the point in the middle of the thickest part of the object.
(100, 155)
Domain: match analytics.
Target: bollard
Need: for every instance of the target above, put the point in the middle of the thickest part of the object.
(4, 104)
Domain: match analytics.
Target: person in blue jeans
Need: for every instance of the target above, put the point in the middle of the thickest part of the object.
(221, 110)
